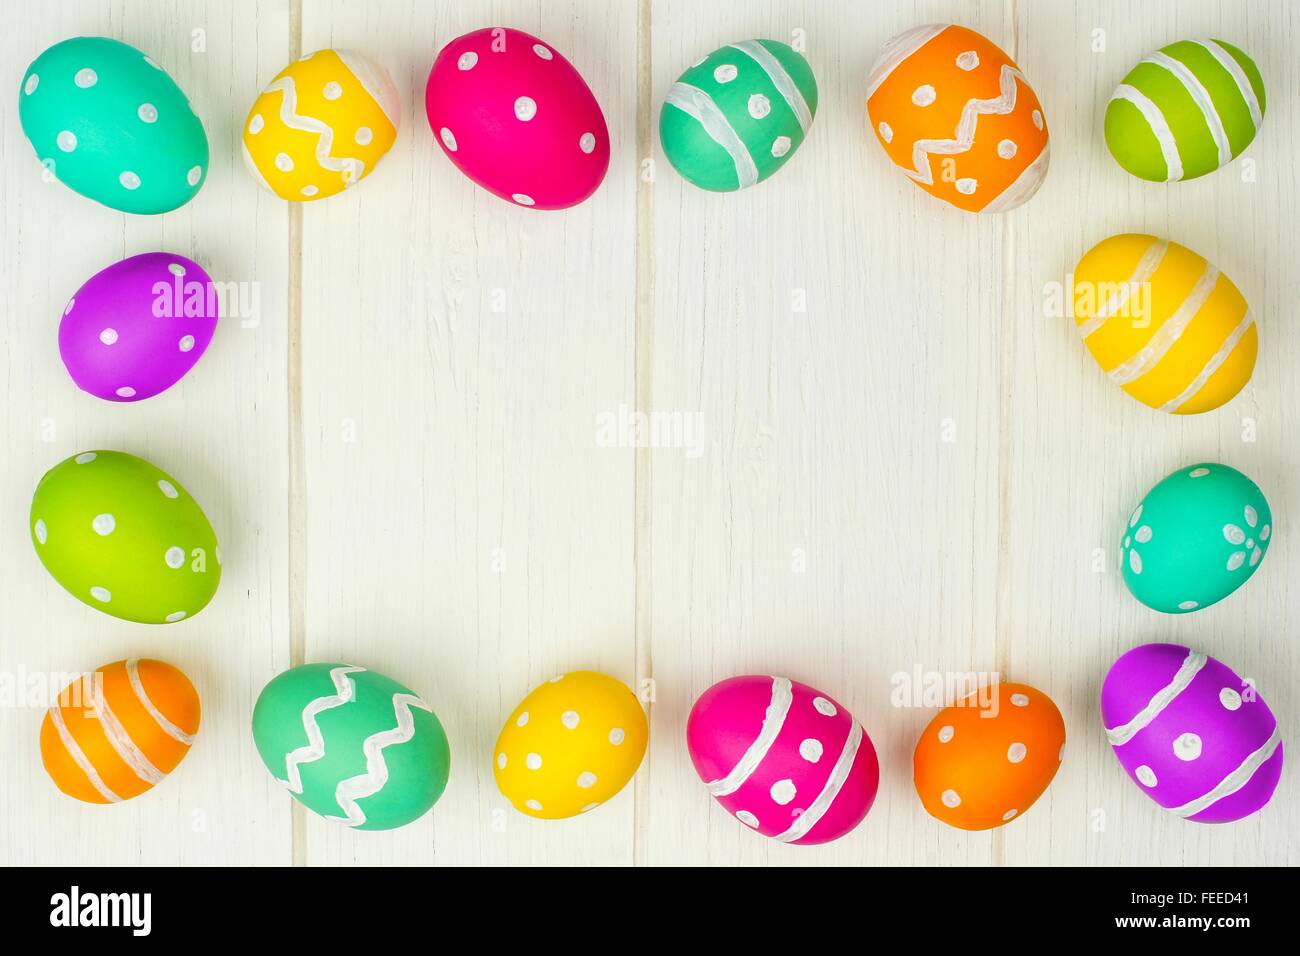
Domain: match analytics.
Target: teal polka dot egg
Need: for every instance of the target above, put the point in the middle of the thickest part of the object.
(1196, 537)
(738, 115)
(352, 745)
(109, 123)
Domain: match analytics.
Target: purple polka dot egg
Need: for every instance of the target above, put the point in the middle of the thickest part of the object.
(1196, 738)
(136, 328)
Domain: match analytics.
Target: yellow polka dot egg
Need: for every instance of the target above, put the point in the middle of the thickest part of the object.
(570, 745)
(321, 125)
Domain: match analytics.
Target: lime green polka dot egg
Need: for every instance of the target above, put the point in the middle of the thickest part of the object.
(108, 122)
(125, 537)
(1195, 538)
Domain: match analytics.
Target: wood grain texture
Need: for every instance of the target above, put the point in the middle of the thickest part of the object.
(883, 456)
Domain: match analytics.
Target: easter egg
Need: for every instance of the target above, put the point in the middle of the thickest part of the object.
(109, 123)
(351, 745)
(113, 734)
(321, 125)
(134, 329)
(1195, 538)
(982, 762)
(1164, 324)
(783, 758)
(125, 537)
(570, 745)
(738, 115)
(1185, 110)
(513, 115)
(957, 116)
(1196, 738)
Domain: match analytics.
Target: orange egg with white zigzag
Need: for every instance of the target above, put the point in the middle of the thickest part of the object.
(957, 116)
(115, 733)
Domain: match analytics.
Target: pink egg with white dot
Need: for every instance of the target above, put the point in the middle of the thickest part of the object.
(783, 758)
(136, 328)
(515, 117)
(1196, 738)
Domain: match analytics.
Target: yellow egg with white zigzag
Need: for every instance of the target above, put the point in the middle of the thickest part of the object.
(321, 125)
(1164, 324)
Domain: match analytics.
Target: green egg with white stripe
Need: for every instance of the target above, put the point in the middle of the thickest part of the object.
(737, 116)
(1185, 110)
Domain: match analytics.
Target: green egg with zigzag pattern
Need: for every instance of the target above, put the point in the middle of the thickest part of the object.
(1186, 110)
(351, 745)
(737, 116)
(109, 123)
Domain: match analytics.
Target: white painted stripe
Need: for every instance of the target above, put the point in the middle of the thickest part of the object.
(1233, 781)
(1191, 666)
(1170, 332)
(1212, 366)
(1146, 268)
(350, 168)
(964, 136)
(1025, 186)
(1229, 63)
(133, 672)
(699, 106)
(1156, 120)
(899, 49)
(834, 783)
(79, 757)
(119, 739)
(782, 80)
(773, 720)
(367, 784)
(315, 747)
(1202, 97)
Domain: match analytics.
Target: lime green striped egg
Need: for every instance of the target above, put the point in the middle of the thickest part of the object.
(737, 116)
(1185, 110)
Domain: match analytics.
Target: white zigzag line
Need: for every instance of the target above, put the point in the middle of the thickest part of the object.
(965, 134)
(315, 749)
(350, 169)
(367, 784)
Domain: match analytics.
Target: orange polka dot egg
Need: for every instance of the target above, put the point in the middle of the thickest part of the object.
(570, 745)
(957, 116)
(982, 762)
(117, 732)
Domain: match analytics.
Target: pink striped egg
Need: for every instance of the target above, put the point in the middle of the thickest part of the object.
(514, 116)
(783, 758)
(1195, 737)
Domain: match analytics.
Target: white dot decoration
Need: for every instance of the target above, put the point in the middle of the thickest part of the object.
(968, 61)
(66, 140)
(586, 780)
(1146, 776)
(175, 616)
(747, 818)
(534, 805)
(283, 162)
(1133, 520)
(533, 761)
(501, 761)
(525, 108)
(570, 719)
(1187, 746)
(332, 90)
(85, 458)
(1037, 117)
(1236, 560)
(542, 51)
(1143, 534)
(364, 136)
(86, 78)
(108, 336)
(1019, 700)
(950, 799)
(783, 791)
(966, 186)
(256, 124)
(1007, 149)
(448, 138)
(1135, 562)
(126, 391)
(725, 73)
(923, 95)
(522, 198)
(1009, 815)
(1233, 535)
(41, 533)
(30, 86)
(101, 594)
(1229, 698)
(1264, 532)
(104, 525)
(522, 720)
(174, 557)
(780, 146)
(467, 61)
(309, 190)
(759, 106)
(811, 749)
(1188, 605)
(129, 180)
(824, 707)
(946, 733)
(886, 132)
(587, 142)
(176, 269)
(148, 113)
(1255, 556)
(167, 488)
(73, 301)
(194, 175)
(617, 736)
(1016, 752)
(1198, 472)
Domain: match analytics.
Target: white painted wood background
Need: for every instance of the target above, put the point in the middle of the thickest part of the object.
(902, 461)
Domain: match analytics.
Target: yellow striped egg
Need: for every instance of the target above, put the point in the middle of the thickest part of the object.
(321, 125)
(1164, 324)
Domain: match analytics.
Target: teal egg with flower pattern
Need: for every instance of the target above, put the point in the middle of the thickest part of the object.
(1196, 537)
(109, 123)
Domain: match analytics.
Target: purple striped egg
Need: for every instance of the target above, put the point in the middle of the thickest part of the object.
(1195, 737)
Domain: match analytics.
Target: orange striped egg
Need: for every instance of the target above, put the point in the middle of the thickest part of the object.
(957, 116)
(1164, 324)
(113, 734)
